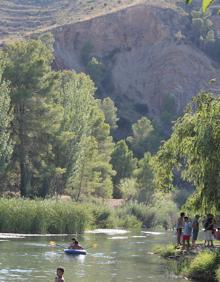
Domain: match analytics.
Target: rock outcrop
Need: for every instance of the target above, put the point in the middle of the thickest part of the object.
(147, 55)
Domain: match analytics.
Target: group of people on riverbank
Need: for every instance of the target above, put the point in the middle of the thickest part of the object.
(187, 230)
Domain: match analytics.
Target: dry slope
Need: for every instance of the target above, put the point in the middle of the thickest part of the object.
(144, 54)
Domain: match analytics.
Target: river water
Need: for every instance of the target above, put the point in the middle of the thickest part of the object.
(113, 256)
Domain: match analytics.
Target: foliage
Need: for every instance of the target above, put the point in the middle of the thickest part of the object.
(89, 149)
(193, 150)
(86, 53)
(6, 116)
(205, 4)
(96, 70)
(110, 112)
(128, 188)
(142, 213)
(36, 118)
(141, 132)
(165, 251)
(168, 113)
(59, 216)
(31, 216)
(103, 217)
(144, 176)
(203, 27)
(61, 138)
(218, 274)
(123, 163)
(203, 266)
(165, 215)
(130, 222)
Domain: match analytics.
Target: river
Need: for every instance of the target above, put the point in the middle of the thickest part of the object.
(113, 256)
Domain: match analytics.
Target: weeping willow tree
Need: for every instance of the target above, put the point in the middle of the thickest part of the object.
(193, 151)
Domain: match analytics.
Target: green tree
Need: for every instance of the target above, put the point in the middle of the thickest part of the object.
(193, 151)
(36, 118)
(141, 131)
(87, 153)
(6, 146)
(144, 179)
(96, 70)
(110, 111)
(128, 188)
(123, 163)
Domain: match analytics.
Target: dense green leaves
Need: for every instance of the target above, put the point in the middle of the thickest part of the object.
(141, 131)
(5, 120)
(36, 119)
(123, 163)
(193, 150)
(62, 142)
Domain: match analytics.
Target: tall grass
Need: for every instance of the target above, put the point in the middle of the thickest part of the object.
(38, 216)
(58, 217)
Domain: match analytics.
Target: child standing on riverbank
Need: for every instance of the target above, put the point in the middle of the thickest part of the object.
(60, 273)
(187, 233)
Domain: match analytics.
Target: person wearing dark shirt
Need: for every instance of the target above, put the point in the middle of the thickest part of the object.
(75, 245)
(195, 230)
(209, 230)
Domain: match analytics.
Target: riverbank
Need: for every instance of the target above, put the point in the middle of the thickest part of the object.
(200, 264)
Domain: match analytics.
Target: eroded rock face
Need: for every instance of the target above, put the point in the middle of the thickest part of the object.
(145, 58)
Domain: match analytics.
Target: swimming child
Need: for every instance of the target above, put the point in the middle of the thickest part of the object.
(60, 273)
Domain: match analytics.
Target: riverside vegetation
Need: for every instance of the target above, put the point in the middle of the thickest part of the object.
(201, 266)
(56, 138)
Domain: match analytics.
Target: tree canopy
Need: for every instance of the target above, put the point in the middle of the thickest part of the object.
(193, 151)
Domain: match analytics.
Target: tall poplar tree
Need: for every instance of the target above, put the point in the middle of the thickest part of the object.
(6, 146)
(36, 118)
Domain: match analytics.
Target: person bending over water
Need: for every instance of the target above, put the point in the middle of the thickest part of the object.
(75, 245)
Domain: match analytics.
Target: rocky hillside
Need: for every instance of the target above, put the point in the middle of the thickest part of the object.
(148, 56)
(21, 17)
(151, 63)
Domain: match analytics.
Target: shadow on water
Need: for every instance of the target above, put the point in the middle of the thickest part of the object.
(112, 257)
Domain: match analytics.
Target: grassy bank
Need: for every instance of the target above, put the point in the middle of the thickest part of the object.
(51, 216)
(201, 266)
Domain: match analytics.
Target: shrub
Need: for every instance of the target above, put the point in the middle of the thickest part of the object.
(203, 266)
(103, 217)
(166, 251)
(218, 274)
(142, 212)
(130, 222)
